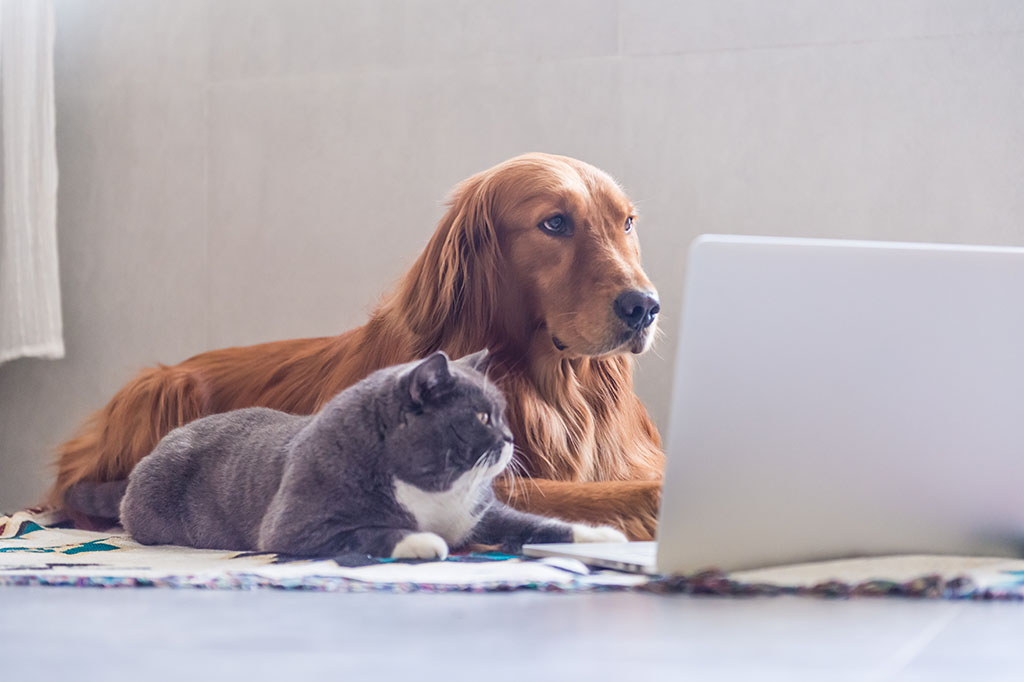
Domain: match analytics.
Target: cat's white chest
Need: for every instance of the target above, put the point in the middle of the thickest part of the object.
(449, 513)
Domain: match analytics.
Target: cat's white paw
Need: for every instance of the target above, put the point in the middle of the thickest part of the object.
(583, 533)
(420, 546)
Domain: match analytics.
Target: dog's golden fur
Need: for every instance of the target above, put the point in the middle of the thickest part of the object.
(489, 278)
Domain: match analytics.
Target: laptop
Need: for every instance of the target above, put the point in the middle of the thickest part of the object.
(839, 398)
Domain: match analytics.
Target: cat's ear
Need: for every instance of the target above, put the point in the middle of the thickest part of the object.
(429, 377)
(479, 361)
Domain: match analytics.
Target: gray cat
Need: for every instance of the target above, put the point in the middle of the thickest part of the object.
(399, 465)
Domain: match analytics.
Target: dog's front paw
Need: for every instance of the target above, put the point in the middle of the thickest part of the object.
(420, 546)
(583, 533)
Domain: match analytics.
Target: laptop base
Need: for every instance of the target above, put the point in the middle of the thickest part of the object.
(632, 557)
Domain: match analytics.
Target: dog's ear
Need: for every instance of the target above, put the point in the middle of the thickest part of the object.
(450, 295)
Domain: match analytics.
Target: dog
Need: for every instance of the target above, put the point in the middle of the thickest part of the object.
(536, 259)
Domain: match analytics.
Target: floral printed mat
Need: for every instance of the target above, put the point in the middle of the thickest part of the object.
(41, 548)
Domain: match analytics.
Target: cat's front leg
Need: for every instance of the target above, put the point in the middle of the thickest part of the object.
(420, 546)
(581, 532)
(396, 543)
(328, 541)
(502, 525)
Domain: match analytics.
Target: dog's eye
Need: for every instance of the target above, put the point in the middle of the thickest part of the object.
(557, 225)
(483, 417)
(629, 223)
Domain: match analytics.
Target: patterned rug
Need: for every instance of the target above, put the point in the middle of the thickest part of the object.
(40, 548)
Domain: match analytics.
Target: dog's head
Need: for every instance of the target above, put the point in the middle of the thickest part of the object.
(545, 245)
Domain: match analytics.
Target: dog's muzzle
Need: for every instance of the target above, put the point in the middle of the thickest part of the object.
(637, 309)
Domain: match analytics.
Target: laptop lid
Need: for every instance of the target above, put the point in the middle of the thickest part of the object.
(840, 398)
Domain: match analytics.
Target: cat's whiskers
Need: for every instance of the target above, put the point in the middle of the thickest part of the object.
(513, 470)
(510, 478)
(479, 474)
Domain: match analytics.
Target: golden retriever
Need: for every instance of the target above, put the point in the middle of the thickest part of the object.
(536, 259)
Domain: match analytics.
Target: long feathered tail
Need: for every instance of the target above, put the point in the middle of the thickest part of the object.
(114, 439)
(97, 499)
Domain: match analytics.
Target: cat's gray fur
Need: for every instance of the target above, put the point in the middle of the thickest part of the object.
(399, 464)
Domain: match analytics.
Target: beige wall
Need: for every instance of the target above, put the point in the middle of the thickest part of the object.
(239, 171)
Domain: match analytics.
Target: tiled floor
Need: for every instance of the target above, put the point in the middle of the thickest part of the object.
(155, 634)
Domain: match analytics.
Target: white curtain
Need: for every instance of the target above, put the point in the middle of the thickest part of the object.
(30, 319)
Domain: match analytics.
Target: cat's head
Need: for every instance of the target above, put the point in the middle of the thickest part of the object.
(444, 419)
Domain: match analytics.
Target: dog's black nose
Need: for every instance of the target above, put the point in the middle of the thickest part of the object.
(636, 308)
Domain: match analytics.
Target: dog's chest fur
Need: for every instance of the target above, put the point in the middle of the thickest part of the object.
(451, 513)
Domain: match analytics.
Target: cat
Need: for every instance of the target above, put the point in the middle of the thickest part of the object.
(399, 465)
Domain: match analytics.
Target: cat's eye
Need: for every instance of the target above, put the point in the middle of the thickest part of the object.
(629, 223)
(483, 417)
